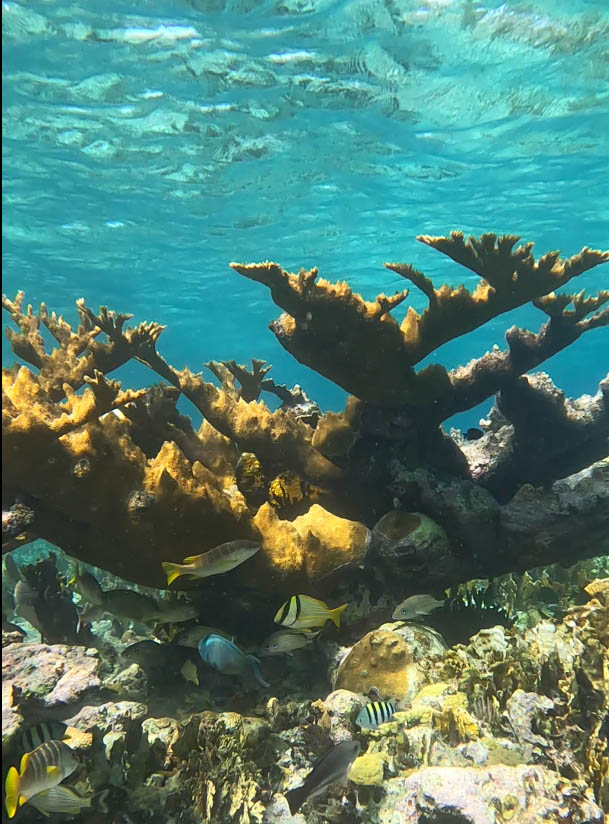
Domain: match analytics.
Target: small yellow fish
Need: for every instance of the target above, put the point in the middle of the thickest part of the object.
(302, 611)
(41, 769)
(219, 559)
(189, 672)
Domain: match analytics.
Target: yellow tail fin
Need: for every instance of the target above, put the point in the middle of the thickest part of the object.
(11, 787)
(334, 614)
(172, 571)
(75, 575)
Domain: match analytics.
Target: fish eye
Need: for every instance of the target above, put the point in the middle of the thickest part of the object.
(404, 611)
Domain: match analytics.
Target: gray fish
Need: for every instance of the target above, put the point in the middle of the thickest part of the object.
(127, 603)
(225, 657)
(192, 636)
(25, 604)
(329, 770)
(45, 731)
(175, 610)
(11, 573)
(87, 586)
(416, 606)
(285, 642)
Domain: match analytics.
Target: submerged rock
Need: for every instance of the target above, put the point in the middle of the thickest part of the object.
(526, 794)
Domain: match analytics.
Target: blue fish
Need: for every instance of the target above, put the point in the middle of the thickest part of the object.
(224, 656)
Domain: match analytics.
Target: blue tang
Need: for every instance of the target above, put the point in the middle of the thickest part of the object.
(224, 656)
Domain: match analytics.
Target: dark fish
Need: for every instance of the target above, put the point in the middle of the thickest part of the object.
(87, 586)
(45, 731)
(330, 769)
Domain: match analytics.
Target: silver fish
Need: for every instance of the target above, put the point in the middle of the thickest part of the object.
(329, 770)
(416, 606)
(285, 642)
(25, 604)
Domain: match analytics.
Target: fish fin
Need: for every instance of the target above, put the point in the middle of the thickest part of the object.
(74, 577)
(98, 802)
(11, 798)
(334, 614)
(191, 559)
(172, 571)
(296, 799)
(52, 770)
(24, 759)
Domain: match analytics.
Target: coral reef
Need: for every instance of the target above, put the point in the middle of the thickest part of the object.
(508, 727)
(122, 479)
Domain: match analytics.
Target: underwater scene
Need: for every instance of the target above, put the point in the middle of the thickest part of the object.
(305, 412)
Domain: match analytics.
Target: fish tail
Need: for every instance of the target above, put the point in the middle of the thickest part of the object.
(334, 614)
(296, 798)
(98, 802)
(11, 800)
(172, 571)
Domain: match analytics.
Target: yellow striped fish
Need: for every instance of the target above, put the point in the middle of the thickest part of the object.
(41, 769)
(302, 611)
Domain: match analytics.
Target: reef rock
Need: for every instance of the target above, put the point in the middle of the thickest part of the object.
(381, 660)
(47, 677)
(526, 794)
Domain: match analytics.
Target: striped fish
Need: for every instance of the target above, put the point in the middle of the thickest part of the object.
(302, 612)
(46, 731)
(375, 713)
(65, 800)
(40, 770)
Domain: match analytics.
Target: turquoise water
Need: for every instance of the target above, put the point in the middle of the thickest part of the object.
(144, 150)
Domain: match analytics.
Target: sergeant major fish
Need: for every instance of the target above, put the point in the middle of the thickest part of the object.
(213, 562)
(225, 657)
(41, 769)
(375, 713)
(416, 606)
(329, 770)
(302, 612)
(45, 731)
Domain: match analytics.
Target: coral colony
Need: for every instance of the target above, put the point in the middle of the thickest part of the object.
(371, 509)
